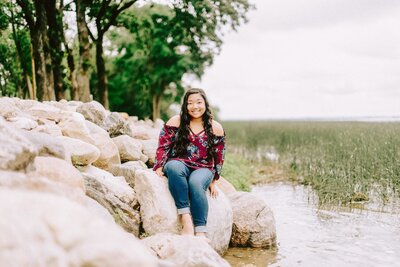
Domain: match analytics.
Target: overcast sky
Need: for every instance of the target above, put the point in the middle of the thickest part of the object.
(310, 58)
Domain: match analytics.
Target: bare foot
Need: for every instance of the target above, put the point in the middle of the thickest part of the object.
(203, 236)
(187, 223)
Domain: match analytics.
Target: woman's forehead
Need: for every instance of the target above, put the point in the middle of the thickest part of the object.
(195, 97)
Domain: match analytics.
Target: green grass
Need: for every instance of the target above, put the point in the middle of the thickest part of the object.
(238, 171)
(342, 161)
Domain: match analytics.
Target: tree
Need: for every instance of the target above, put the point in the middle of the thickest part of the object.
(83, 93)
(36, 18)
(168, 42)
(15, 50)
(105, 14)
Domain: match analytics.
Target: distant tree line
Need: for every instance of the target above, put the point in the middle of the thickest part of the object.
(129, 55)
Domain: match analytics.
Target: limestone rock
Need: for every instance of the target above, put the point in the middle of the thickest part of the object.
(49, 112)
(143, 131)
(81, 152)
(8, 107)
(115, 125)
(253, 221)
(54, 231)
(93, 111)
(158, 124)
(23, 123)
(128, 170)
(129, 148)
(149, 149)
(219, 221)
(184, 251)
(16, 151)
(90, 133)
(115, 195)
(47, 145)
(48, 127)
(57, 170)
(109, 154)
(225, 186)
(18, 180)
(157, 207)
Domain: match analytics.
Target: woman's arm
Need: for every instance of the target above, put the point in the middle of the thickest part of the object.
(165, 142)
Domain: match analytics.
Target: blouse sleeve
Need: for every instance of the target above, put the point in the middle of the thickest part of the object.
(165, 142)
(219, 149)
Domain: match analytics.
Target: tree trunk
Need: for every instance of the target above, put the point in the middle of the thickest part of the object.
(34, 88)
(84, 52)
(156, 112)
(102, 85)
(44, 73)
(55, 37)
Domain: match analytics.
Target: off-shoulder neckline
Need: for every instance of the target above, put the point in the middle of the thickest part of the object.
(176, 128)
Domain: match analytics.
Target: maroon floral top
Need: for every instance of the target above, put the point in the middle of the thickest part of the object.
(196, 156)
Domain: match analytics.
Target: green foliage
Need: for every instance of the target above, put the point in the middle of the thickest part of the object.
(151, 62)
(238, 171)
(341, 161)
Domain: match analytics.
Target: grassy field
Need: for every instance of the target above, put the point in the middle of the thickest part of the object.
(343, 161)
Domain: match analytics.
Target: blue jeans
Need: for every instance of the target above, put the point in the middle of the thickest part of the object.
(188, 188)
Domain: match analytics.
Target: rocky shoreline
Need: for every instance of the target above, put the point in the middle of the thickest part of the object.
(77, 190)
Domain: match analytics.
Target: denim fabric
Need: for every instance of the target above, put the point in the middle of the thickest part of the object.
(188, 188)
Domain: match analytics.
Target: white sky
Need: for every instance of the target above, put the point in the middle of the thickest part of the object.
(310, 58)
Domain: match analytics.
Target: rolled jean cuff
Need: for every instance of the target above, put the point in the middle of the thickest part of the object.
(184, 211)
(200, 229)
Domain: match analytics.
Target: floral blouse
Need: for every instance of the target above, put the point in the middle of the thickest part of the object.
(196, 156)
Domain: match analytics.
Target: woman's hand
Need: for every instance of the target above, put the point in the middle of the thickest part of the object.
(213, 189)
(159, 171)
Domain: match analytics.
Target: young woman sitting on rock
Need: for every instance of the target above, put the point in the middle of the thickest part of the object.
(191, 153)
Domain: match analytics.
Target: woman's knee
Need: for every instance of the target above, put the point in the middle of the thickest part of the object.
(175, 166)
(200, 179)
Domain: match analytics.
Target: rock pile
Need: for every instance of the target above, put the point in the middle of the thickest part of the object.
(76, 190)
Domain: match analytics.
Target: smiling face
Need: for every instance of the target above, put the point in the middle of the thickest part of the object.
(196, 106)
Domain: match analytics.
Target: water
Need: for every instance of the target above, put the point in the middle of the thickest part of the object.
(308, 236)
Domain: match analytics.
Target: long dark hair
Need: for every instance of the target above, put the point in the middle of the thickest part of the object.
(183, 132)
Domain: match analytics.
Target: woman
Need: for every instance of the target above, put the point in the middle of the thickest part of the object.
(191, 153)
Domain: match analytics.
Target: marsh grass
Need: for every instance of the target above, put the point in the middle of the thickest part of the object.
(342, 161)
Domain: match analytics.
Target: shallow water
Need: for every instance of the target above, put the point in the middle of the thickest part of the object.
(308, 236)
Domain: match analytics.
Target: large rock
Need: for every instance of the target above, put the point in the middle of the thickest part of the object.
(8, 107)
(81, 152)
(48, 127)
(143, 131)
(16, 151)
(49, 112)
(47, 145)
(157, 207)
(128, 170)
(109, 154)
(219, 222)
(184, 251)
(115, 195)
(115, 125)
(39, 229)
(93, 111)
(149, 149)
(253, 221)
(23, 123)
(91, 133)
(225, 186)
(57, 170)
(44, 184)
(129, 148)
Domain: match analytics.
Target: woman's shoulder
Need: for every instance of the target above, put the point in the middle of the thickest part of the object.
(174, 121)
(217, 128)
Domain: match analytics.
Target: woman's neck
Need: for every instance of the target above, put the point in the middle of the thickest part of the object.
(196, 121)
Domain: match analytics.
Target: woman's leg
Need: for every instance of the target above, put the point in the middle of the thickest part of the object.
(177, 174)
(199, 180)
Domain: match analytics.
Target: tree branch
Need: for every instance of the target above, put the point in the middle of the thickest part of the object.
(27, 11)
